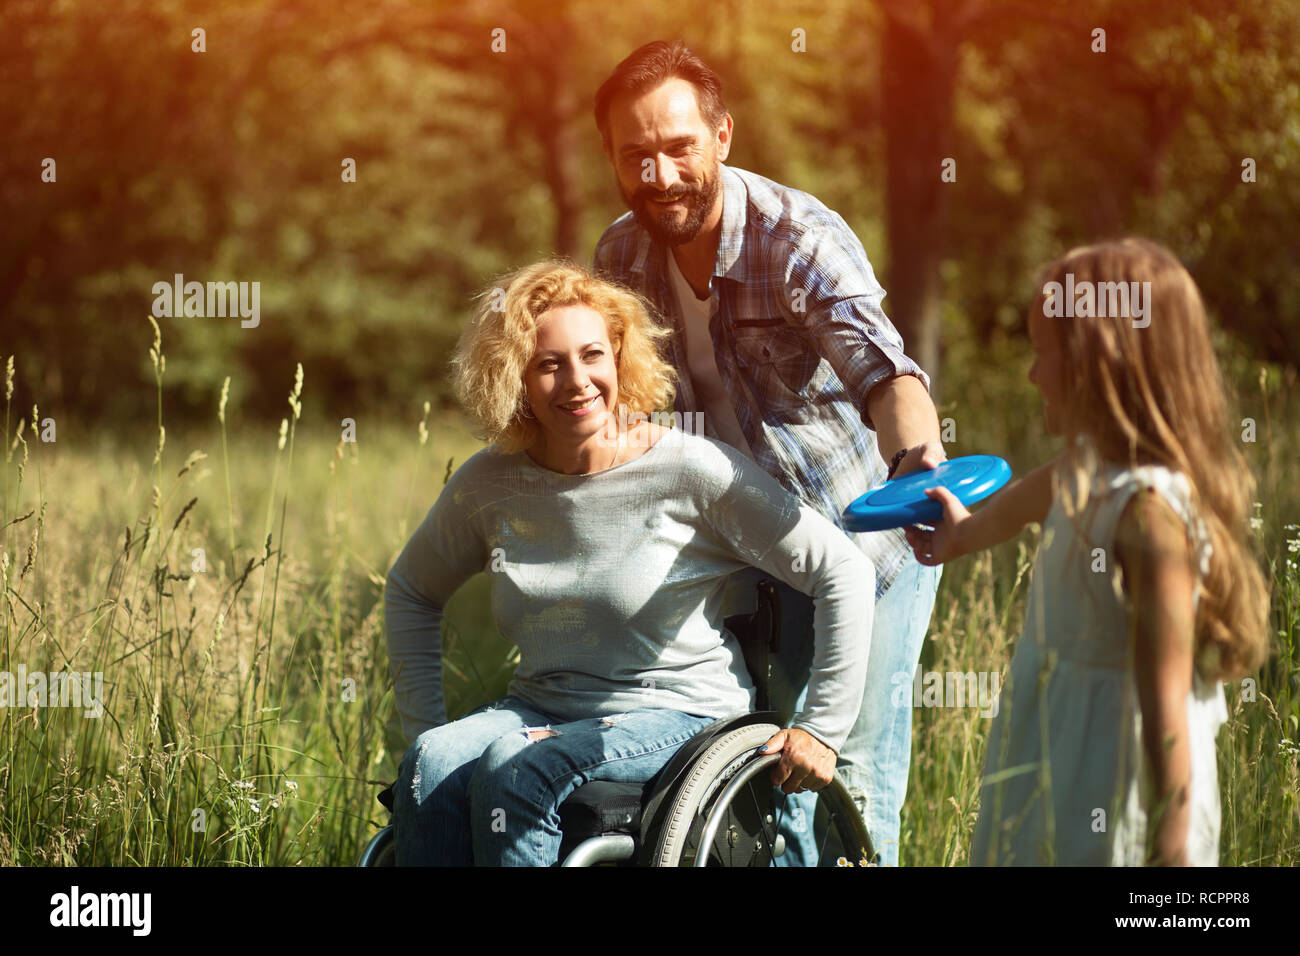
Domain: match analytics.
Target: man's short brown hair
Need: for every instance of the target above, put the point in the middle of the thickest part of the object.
(651, 65)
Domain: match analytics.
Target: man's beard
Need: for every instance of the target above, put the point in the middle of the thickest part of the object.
(698, 199)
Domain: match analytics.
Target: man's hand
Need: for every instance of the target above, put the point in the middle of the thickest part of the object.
(806, 763)
(928, 454)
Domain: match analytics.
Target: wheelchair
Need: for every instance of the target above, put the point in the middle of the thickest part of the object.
(711, 805)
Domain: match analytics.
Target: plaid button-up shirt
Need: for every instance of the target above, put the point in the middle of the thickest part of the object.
(799, 339)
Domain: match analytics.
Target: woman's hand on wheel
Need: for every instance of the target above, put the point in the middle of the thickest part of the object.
(806, 763)
(944, 542)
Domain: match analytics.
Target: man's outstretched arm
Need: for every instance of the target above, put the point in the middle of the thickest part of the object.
(905, 417)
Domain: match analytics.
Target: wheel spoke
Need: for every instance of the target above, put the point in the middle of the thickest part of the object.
(762, 827)
(830, 825)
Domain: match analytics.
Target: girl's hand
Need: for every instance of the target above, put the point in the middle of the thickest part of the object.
(945, 542)
(806, 763)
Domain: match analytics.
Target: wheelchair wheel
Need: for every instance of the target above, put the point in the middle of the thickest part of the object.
(724, 811)
(381, 850)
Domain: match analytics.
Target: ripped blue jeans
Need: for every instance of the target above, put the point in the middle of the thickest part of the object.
(485, 790)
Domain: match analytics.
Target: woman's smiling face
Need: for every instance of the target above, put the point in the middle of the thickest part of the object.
(571, 382)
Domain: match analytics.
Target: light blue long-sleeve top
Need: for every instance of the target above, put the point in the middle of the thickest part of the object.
(611, 585)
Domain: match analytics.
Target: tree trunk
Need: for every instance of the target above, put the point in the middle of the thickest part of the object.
(917, 73)
(555, 123)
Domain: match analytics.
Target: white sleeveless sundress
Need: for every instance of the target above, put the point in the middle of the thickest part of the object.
(1066, 777)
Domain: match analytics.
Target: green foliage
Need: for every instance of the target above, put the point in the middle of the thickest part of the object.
(226, 165)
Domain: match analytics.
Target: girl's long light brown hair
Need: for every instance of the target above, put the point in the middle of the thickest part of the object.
(498, 342)
(1154, 394)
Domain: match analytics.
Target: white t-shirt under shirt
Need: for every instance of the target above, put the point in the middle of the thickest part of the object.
(719, 415)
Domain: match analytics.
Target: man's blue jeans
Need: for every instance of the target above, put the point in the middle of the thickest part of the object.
(485, 790)
(875, 758)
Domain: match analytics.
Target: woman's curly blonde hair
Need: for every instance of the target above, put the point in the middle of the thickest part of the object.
(497, 344)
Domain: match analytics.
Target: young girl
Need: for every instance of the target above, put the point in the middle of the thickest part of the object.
(1144, 595)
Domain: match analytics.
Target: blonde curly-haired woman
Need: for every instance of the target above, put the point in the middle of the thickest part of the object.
(609, 539)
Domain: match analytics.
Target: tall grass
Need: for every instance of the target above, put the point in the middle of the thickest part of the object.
(235, 611)
(247, 706)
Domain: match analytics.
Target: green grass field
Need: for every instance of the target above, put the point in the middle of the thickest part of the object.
(230, 591)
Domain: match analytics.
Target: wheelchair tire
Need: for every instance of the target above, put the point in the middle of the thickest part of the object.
(727, 801)
(381, 850)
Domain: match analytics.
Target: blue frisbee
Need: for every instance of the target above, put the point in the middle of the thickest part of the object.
(902, 501)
